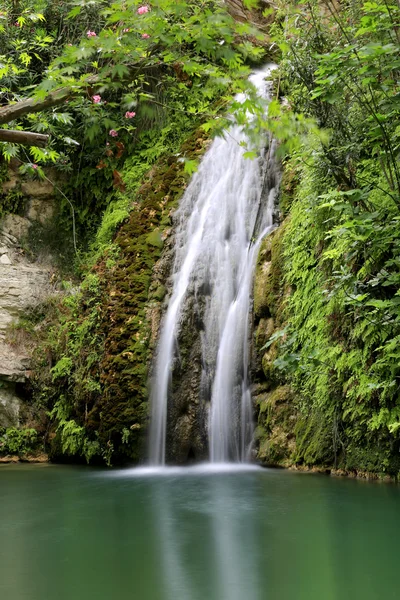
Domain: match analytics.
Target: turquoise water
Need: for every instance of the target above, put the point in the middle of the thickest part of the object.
(71, 533)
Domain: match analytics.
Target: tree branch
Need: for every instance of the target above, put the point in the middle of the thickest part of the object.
(31, 105)
(26, 138)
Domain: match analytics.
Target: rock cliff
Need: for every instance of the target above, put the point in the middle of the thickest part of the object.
(23, 284)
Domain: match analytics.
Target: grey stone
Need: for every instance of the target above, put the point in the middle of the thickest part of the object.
(37, 189)
(15, 226)
(22, 285)
(40, 210)
(5, 260)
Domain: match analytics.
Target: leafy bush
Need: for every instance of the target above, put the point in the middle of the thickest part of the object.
(17, 441)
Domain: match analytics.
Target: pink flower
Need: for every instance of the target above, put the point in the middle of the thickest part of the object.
(145, 36)
(142, 10)
(34, 166)
(129, 115)
(91, 34)
(96, 98)
(126, 30)
(113, 133)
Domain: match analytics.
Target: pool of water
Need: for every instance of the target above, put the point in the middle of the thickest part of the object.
(71, 533)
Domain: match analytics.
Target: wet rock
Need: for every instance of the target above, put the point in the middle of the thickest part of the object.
(268, 364)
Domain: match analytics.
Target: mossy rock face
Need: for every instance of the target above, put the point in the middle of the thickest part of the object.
(268, 364)
(287, 189)
(376, 454)
(315, 440)
(263, 268)
(154, 239)
(264, 331)
(261, 304)
(275, 435)
(269, 276)
(126, 325)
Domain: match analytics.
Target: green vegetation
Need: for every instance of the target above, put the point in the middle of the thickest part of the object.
(339, 337)
(102, 80)
(18, 442)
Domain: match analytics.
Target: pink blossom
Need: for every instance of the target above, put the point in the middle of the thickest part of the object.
(142, 10)
(113, 133)
(34, 166)
(91, 34)
(129, 115)
(145, 36)
(96, 98)
(126, 30)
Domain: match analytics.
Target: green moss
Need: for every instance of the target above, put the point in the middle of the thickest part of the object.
(275, 430)
(155, 239)
(287, 189)
(269, 276)
(314, 440)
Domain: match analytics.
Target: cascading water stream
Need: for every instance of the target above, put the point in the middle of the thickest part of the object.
(223, 216)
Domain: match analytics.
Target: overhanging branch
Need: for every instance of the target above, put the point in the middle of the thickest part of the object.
(26, 138)
(32, 105)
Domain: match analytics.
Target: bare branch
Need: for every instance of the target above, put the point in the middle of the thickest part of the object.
(26, 138)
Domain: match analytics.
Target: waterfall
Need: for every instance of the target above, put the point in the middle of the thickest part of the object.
(223, 216)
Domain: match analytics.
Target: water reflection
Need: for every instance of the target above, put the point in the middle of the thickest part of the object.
(202, 535)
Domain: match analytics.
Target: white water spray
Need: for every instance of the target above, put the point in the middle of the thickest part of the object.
(221, 221)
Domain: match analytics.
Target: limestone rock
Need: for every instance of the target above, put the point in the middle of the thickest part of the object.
(22, 285)
(40, 210)
(37, 189)
(15, 226)
(265, 329)
(5, 260)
